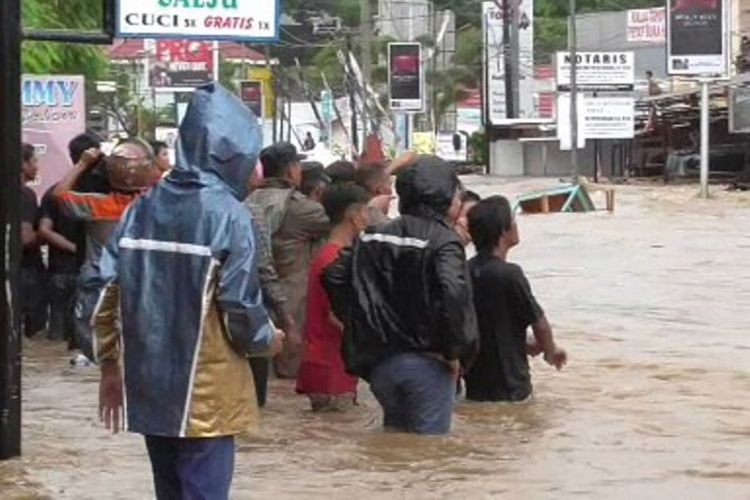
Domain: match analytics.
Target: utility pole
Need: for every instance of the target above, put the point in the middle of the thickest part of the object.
(507, 56)
(10, 239)
(572, 48)
(365, 27)
(704, 149)
(515, 74)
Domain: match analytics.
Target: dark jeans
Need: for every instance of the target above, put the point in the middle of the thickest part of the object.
(260, 367)
(416, 392)
(33, 300)
(62, 288)
(191, 468)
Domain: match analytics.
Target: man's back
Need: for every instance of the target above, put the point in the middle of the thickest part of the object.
(505, 309)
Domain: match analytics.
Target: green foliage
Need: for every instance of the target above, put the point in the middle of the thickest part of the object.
(469, 50)
(57, 58)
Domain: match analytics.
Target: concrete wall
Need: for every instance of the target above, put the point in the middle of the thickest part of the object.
(507, 158)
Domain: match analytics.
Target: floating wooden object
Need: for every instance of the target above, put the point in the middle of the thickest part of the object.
(563, 199)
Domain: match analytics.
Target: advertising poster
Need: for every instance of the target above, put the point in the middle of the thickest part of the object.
(647, 26)
(494, 59)
(251, 93)
(181, 64)
(53, 113)
(697, 37)
(249, 20)
(405, 76)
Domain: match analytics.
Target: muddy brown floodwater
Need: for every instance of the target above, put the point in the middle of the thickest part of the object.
(651, 303)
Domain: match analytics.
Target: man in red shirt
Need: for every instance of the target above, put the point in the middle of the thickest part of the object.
(322, 374)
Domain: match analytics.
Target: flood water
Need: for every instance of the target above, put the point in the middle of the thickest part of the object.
(651, 303)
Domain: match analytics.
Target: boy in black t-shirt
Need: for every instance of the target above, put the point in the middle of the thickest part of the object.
(505, 309)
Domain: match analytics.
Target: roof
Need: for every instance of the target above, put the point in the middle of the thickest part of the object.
(131, 49)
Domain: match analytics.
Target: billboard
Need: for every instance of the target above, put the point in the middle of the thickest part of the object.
(494, 60)
(597, 71)
(697, 37)
(647, 25)
(181, 64)
(249, 20)
(251, 93)
(53, 113)
(405, 76)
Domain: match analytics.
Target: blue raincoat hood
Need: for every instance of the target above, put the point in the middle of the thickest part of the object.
(219, 135)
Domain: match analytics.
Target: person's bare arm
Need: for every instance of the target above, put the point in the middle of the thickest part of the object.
(28, 235)
(67, 183)
(545, 341)
(48, 234)
(404, 161)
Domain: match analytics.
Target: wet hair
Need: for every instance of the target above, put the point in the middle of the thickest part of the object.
(81, 143)
(158, 146)
(489, 220)
(313, 176)
(468, 196)
(341, 171)
(27, 152)
(369, 175)
(338, 199)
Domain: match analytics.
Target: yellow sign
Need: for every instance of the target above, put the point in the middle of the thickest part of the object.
(264, 75)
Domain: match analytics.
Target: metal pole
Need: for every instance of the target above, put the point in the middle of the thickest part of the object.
(10, 241)
(366, 33)
(573, 42)
(704, 139)
(515, 62)
(507, 61)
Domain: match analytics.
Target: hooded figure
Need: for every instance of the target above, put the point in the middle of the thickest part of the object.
(180, 276)
(404, 297)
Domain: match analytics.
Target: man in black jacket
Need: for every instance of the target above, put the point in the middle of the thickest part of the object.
(404, 296)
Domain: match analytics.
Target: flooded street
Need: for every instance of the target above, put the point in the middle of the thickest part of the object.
(651, 303)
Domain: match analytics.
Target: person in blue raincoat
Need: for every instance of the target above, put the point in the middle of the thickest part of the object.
(181, 308)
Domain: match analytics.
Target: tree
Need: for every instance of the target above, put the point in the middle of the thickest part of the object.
(58, 58)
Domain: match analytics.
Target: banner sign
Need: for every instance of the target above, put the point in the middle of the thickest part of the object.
(182, 64)
(53, 113)
(251, 93)
(739, 110)
(597, 71)
(647, 25)
(494, 60)
(605, 117)
(250, 20)
(405, 76)
(697, 37)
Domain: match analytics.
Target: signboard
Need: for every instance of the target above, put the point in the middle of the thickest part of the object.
(647, 25)
(494, 60)
(251, 93)
(405, 76)
(249, 20)
(53, 113)
(181, 64)
(697, 37)
(605, 117)
(739, 110)
(597, 71)
(452, 147)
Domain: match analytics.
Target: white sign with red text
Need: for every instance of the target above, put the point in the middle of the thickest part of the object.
(251, 20)
(647, 25)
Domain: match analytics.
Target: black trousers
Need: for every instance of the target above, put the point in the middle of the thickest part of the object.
(260, 368)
